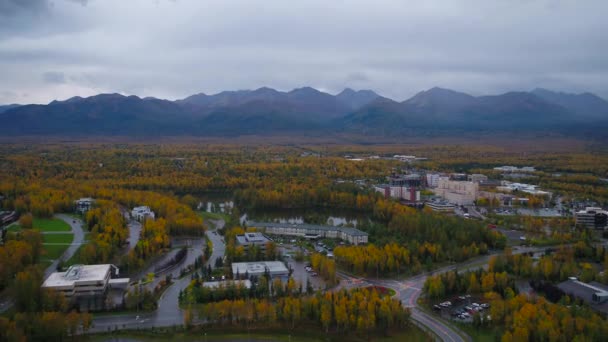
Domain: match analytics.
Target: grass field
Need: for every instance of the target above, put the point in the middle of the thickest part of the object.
(479, 334)
(51, 225)
(54, 251)
(58, 238)
(213, 216)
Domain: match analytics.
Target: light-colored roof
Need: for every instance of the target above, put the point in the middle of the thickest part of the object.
(258, 267)
(215, 284)
(77, 273)
(347, 230)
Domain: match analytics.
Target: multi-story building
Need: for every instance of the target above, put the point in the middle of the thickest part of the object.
(592, 217)
(87, 286)
(399, 192)
(432, 180)
(142, 213)
(477, 178)
(457, 192)
(312, 231)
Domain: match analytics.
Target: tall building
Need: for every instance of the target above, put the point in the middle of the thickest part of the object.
(457, 192)
(592, 217)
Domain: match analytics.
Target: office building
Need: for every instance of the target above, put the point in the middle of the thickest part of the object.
(312, 231)
(592, 217)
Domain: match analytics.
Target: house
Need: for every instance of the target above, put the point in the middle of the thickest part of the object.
(142, 213)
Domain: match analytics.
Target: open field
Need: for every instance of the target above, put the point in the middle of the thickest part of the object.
(58, 238)
(51, 225)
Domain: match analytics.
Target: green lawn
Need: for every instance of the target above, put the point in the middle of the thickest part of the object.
(213, 216)
(480, 334)
(51, 225)
(58, 238)
(54, 251)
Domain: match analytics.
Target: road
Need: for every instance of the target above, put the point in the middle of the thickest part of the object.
(76, 226)
(168, 312)
(409, 290)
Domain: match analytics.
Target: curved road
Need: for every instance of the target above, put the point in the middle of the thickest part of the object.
(168, 312)
(76, 226)
(409, 290)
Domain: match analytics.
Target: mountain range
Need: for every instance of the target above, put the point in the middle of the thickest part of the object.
(306, 110)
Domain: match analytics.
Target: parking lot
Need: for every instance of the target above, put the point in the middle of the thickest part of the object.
(462, 308)
(299, 268)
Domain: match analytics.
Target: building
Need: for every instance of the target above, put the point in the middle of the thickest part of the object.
(511, 169)
(457, 192)
(89, 286)
(142, 213)
(84, 204)
(244, 270)
(477, 178)
(432, 180)
(312, 231)
(594, 293)
(252, 239)
(440, 206)
(399, 192)
(592, 218)
(8, 217)
(521, 187)
(225, 283)
(408, 181)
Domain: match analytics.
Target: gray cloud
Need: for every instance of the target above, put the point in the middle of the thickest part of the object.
(172, 49)
(54, 77)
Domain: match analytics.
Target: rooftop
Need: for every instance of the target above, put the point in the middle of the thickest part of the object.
(258, 267)
(78, 273)
(347, 230)
(585, 291)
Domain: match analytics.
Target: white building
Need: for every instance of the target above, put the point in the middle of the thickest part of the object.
(275, 269)
(477, 178)
(592, 217)
(527, 188)
(432, 180)
(84, 204)
(142, 213)
(252, 239)
(87, 283)
(457, 192)
(508, 168)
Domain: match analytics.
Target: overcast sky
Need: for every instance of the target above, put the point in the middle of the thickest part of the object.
(56, 49)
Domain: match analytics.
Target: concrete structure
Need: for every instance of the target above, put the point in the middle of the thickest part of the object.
(399, 192)
(142, 213)
(592, 217)
(442, 206)
(477, 178)
(87, 286)
(594, 293)
(244, 270)
(521, 187)
(408, 181)
(511, 169)
(84, 204)
(312, 231)
(457, 192)
(432, 180)
(225, 283)
(252, 239)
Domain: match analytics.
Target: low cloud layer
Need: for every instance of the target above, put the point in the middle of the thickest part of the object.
(55, 49)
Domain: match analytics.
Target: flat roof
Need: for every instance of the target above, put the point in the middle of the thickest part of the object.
(259, 267)
(215, 284)
(77, 273)
(347, 230)
(585, 291)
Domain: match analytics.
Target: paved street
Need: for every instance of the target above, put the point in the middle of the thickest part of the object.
(168, 312)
